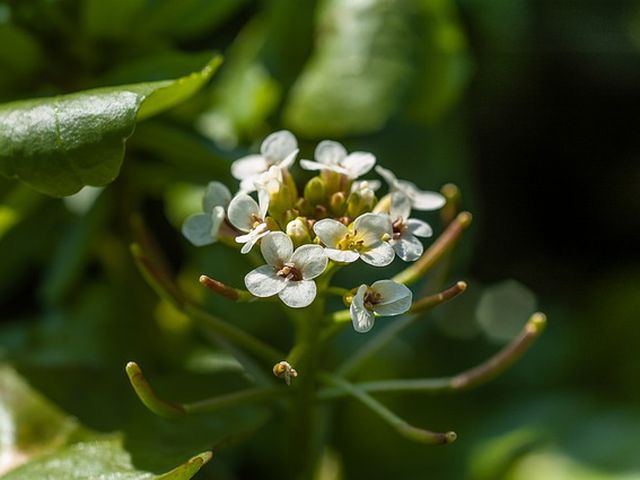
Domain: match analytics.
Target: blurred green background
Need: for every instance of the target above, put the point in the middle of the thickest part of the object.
(530, 107)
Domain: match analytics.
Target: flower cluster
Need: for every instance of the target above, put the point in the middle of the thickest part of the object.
(334, 219)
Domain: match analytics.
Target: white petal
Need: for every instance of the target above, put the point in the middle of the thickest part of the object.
(248, 166)
(330, 231)
(197, 229)
(388, 176)
(248, 184)
(408, 247)
(251, 238)
(278, 146)
(400, 206)
(396, 298)
(358, 163)
(298, 294)
(264, 282)
(217, 218)
(419, 227)
(366, 184)
(271, 180)
(241, 212)
(329, 152)
(309, 165)
(342, 256)
(310, 260)
(289, 159)
(421, 200)
(277, 248)
(379, 255)
(263, 206)
(361, 317)
(216, 194)
(372, 227)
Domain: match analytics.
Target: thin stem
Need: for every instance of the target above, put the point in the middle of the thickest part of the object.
(429, 302)
(243, 397)
(337, 291)
(445, 242)
(160, 281)
(393, 329)
(468, 379)
(453, 198)
(148, 396)
(235, 294)
(166, 409)
(234, 334)
(400, 425)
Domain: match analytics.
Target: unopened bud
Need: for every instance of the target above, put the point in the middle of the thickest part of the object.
(360, 201)
(298, 232)
(285, 371)
(337, 203)
(314, 191)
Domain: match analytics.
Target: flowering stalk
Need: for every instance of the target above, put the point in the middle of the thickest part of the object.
(466, 380)
(300, 242)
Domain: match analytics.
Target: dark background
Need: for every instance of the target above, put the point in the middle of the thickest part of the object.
(540, 135)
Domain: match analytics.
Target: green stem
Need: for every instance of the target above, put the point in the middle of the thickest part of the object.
(438, 249)
(234, 334)
(234, 399)
(401, 426)
(166, 409)
(148, 396)
(466, 380)
(308, 348)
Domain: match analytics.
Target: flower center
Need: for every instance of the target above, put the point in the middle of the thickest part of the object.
(399, 228)
(289, 272)
(351, 242)
(371, 299)
(256, 220)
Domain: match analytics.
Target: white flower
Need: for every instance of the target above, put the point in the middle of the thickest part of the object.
(405, 229)
(333, 156)
(365, 238)
(288, 274)
(278, 149)
(203, 228)
(271, 180)
(420, 199)
(384, 298)
(248, 216)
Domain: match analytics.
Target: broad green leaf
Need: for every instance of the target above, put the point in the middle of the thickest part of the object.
(58, 145)
(106, 459)
(359, 71)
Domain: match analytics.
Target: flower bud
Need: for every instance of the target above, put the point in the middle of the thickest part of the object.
(361, 200)
(298, 232)
(314, 191)
(337, 203)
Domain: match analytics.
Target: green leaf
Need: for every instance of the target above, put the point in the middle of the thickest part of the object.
(357, 75)
(105, 459)
(58, 145)
(40, 441)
